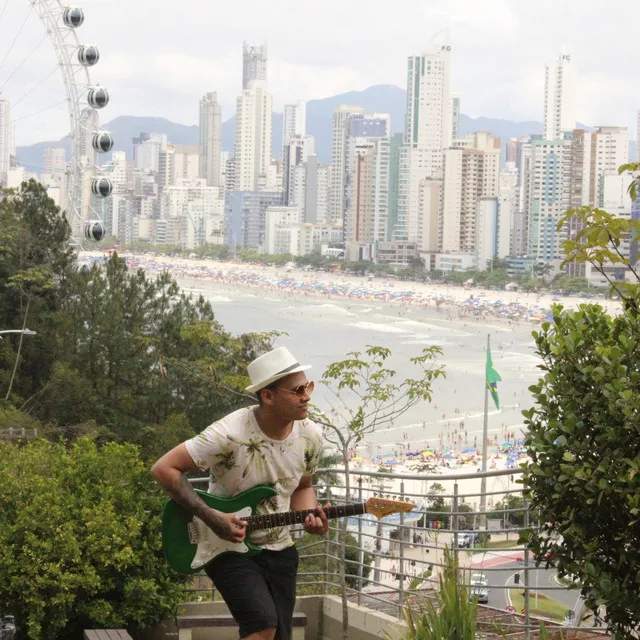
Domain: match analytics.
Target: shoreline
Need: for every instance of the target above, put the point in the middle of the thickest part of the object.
(447, 302)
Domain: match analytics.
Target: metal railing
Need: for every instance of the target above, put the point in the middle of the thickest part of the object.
(396, 561)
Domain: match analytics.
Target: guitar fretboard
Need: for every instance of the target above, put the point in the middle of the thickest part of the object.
(270, 520)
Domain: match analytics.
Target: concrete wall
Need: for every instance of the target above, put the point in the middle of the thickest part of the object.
(364, 624)
(309, 605)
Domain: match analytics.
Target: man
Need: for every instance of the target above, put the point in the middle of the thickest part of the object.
(272, 443)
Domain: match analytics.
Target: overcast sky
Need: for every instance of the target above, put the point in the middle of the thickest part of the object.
(158, 57)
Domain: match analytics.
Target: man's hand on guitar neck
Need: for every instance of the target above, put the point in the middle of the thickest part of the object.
(317, 522)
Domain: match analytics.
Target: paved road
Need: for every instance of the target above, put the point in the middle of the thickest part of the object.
(540, 579)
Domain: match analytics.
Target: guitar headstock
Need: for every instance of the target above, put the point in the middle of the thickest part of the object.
(381, 507)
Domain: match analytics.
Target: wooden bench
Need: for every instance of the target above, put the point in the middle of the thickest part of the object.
(106, 634)
(186, 624)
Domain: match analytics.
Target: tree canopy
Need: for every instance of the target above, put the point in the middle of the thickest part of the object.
(584, 435)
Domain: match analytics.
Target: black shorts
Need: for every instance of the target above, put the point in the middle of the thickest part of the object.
(259, 590)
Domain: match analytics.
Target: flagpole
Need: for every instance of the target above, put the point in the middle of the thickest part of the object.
(485, 436)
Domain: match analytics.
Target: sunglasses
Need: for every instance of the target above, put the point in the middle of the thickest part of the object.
(300, 390)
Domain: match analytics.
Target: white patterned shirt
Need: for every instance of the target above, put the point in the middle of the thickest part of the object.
(240, 456)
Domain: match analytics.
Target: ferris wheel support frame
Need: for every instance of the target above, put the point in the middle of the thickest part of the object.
(83, 163)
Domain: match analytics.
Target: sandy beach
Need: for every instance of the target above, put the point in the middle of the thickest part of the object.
(519, 307)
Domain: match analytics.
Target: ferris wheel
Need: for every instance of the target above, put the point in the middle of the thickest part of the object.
(83, 185)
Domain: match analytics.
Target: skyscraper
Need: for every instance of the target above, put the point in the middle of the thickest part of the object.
(294, 121)
(549, 197)
(429, 108)
(366, 178)
(254, 63)
(253, 136)
(560, 97)
(428, 132)
(210, 133)
(470, 174)
(455, 116)
(336, 188)
(55, 161)
(294, 154)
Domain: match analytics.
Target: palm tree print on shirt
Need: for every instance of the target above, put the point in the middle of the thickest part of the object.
(257, 451)
(226, 459)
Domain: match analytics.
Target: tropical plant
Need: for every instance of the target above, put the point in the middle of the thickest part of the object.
(450, 614)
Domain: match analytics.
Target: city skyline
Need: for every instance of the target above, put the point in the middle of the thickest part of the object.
(500, 50)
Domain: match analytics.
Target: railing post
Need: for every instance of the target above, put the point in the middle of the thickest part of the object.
(454, 521)
(360, 549)
(401, 550)
(527, 599)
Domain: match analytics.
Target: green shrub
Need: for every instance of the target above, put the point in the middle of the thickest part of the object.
(79, 540)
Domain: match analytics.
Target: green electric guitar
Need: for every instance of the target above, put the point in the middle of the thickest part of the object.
(189, 544)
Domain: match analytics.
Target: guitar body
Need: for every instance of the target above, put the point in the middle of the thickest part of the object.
(189, 544)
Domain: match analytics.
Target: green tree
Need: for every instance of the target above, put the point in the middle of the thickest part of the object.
(365, 395)
(584, 474)
(36, 263)
(141, 350)
(79, 543)
(510, 509)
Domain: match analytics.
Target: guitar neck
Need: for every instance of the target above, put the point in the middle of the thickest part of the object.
(270, 520)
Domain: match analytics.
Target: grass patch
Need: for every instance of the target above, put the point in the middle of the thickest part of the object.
(547, 607)
(502, 544)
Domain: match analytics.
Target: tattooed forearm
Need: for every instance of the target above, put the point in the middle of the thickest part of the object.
(181, 491)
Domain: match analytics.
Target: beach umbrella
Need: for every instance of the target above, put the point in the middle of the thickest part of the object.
(469, 450)
(428, 453)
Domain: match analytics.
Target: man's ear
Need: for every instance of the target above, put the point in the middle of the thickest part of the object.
(267, 396)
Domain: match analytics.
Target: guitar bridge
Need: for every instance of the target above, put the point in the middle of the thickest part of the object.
(194, 532)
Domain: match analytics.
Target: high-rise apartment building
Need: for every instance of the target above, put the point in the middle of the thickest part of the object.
(549, 197)
(455, 116)
(254, 63)
(253, 137)
(294, 121)
(210, 136)
(638, 139)
(146, 151)
(560, 97)
(609, 150)
(366, 178)
(470, 174)
(6, 139)
(55, 162)
(428, 132)
(365, 222)
(295, 153)
(338, 151)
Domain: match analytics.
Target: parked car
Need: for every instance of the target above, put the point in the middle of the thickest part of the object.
(467, 540)
(480, 587)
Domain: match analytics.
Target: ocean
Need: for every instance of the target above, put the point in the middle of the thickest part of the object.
(321, 331)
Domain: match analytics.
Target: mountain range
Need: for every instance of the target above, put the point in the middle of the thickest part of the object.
(379, 98)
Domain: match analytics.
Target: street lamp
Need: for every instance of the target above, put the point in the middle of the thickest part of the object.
(22, 333)
(26, 332)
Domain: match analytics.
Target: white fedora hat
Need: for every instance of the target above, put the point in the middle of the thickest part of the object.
(272, 366)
